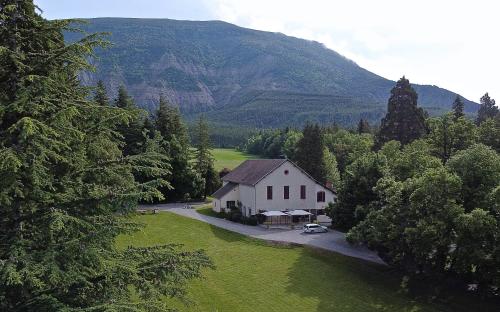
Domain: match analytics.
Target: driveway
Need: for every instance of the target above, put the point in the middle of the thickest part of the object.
(331, 240)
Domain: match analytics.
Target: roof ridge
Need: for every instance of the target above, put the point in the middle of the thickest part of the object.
(251, 171)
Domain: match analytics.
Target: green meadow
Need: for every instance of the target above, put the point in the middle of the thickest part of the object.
(252, 275)
(229, 158)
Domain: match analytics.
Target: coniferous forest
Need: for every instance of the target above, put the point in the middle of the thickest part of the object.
(421, 190)
(72, 169)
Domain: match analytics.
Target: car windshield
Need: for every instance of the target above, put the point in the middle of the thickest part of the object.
(313, 226)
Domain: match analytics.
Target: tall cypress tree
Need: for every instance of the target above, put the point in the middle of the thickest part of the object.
(458, 108)
(404, 121)
(101, 95)
(487, 109)
(65, 188)
(204, 163)
(310, 152)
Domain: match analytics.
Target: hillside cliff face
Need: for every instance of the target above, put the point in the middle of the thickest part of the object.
(242, 76)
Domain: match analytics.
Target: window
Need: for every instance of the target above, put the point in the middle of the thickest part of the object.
(231, 204)
(286, 192)
(269, 192)
(249, 212)
(302, 192)
(286, 172)
(320, 197)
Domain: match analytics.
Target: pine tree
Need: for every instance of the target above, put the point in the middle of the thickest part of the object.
(404, 121)
(363, 126)
(123, 100)
(487, 109)
(169, 123)
(310, 152)
(65, 187)
(204, 163)
(132, 132)
(184, 181)
(148, 127)
(458, 108)
(101, 95)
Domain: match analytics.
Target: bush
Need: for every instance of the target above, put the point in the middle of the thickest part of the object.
(249, 220)
(234, 215)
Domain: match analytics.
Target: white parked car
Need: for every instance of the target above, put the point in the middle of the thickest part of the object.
(314, 228)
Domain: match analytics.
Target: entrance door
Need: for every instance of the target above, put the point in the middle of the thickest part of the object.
(231, 204)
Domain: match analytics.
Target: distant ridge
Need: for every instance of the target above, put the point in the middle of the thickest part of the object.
(242, 76)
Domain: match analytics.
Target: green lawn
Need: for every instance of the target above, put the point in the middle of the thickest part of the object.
(229, 158)
(252, 275)
(208, 211)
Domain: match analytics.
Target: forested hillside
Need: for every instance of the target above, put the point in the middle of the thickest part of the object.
(242, 76)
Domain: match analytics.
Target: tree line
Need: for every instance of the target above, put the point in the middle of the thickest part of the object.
(192, 174)
(422, 192)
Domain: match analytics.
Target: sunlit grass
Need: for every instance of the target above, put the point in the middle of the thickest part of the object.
(252, 275)
(229, 158)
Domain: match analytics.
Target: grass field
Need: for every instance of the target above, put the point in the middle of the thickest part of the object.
(254, 276)
(229, 158)
(207, 211)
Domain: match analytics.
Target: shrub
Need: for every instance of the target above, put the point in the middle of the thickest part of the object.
(249, 220)
(234, 216)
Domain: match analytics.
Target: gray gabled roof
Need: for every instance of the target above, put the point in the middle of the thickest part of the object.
(252, 171)
(224, 190)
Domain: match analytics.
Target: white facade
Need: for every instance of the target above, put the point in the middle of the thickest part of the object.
(220, 204)
(254, 198)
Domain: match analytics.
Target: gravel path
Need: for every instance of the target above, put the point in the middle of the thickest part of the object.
(331, 240)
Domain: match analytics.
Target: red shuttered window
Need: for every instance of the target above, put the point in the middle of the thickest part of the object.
(320, 197)
(269, 192)
(302, 192)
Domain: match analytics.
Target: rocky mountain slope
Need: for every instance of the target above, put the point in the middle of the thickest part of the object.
(242, 76)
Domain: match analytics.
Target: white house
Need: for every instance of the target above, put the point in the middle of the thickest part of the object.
(274, 187)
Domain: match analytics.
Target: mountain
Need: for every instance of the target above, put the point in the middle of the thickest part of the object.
(241, 76)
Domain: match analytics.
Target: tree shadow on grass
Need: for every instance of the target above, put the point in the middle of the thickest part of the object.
(340, 283)
(226, 235)
(233, 237)
(345, 284)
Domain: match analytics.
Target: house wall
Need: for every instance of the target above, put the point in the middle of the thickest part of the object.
(221, 203)
(247, 198)
(294, 179)
(216, 205)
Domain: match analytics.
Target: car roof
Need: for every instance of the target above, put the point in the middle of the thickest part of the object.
(312, 224)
